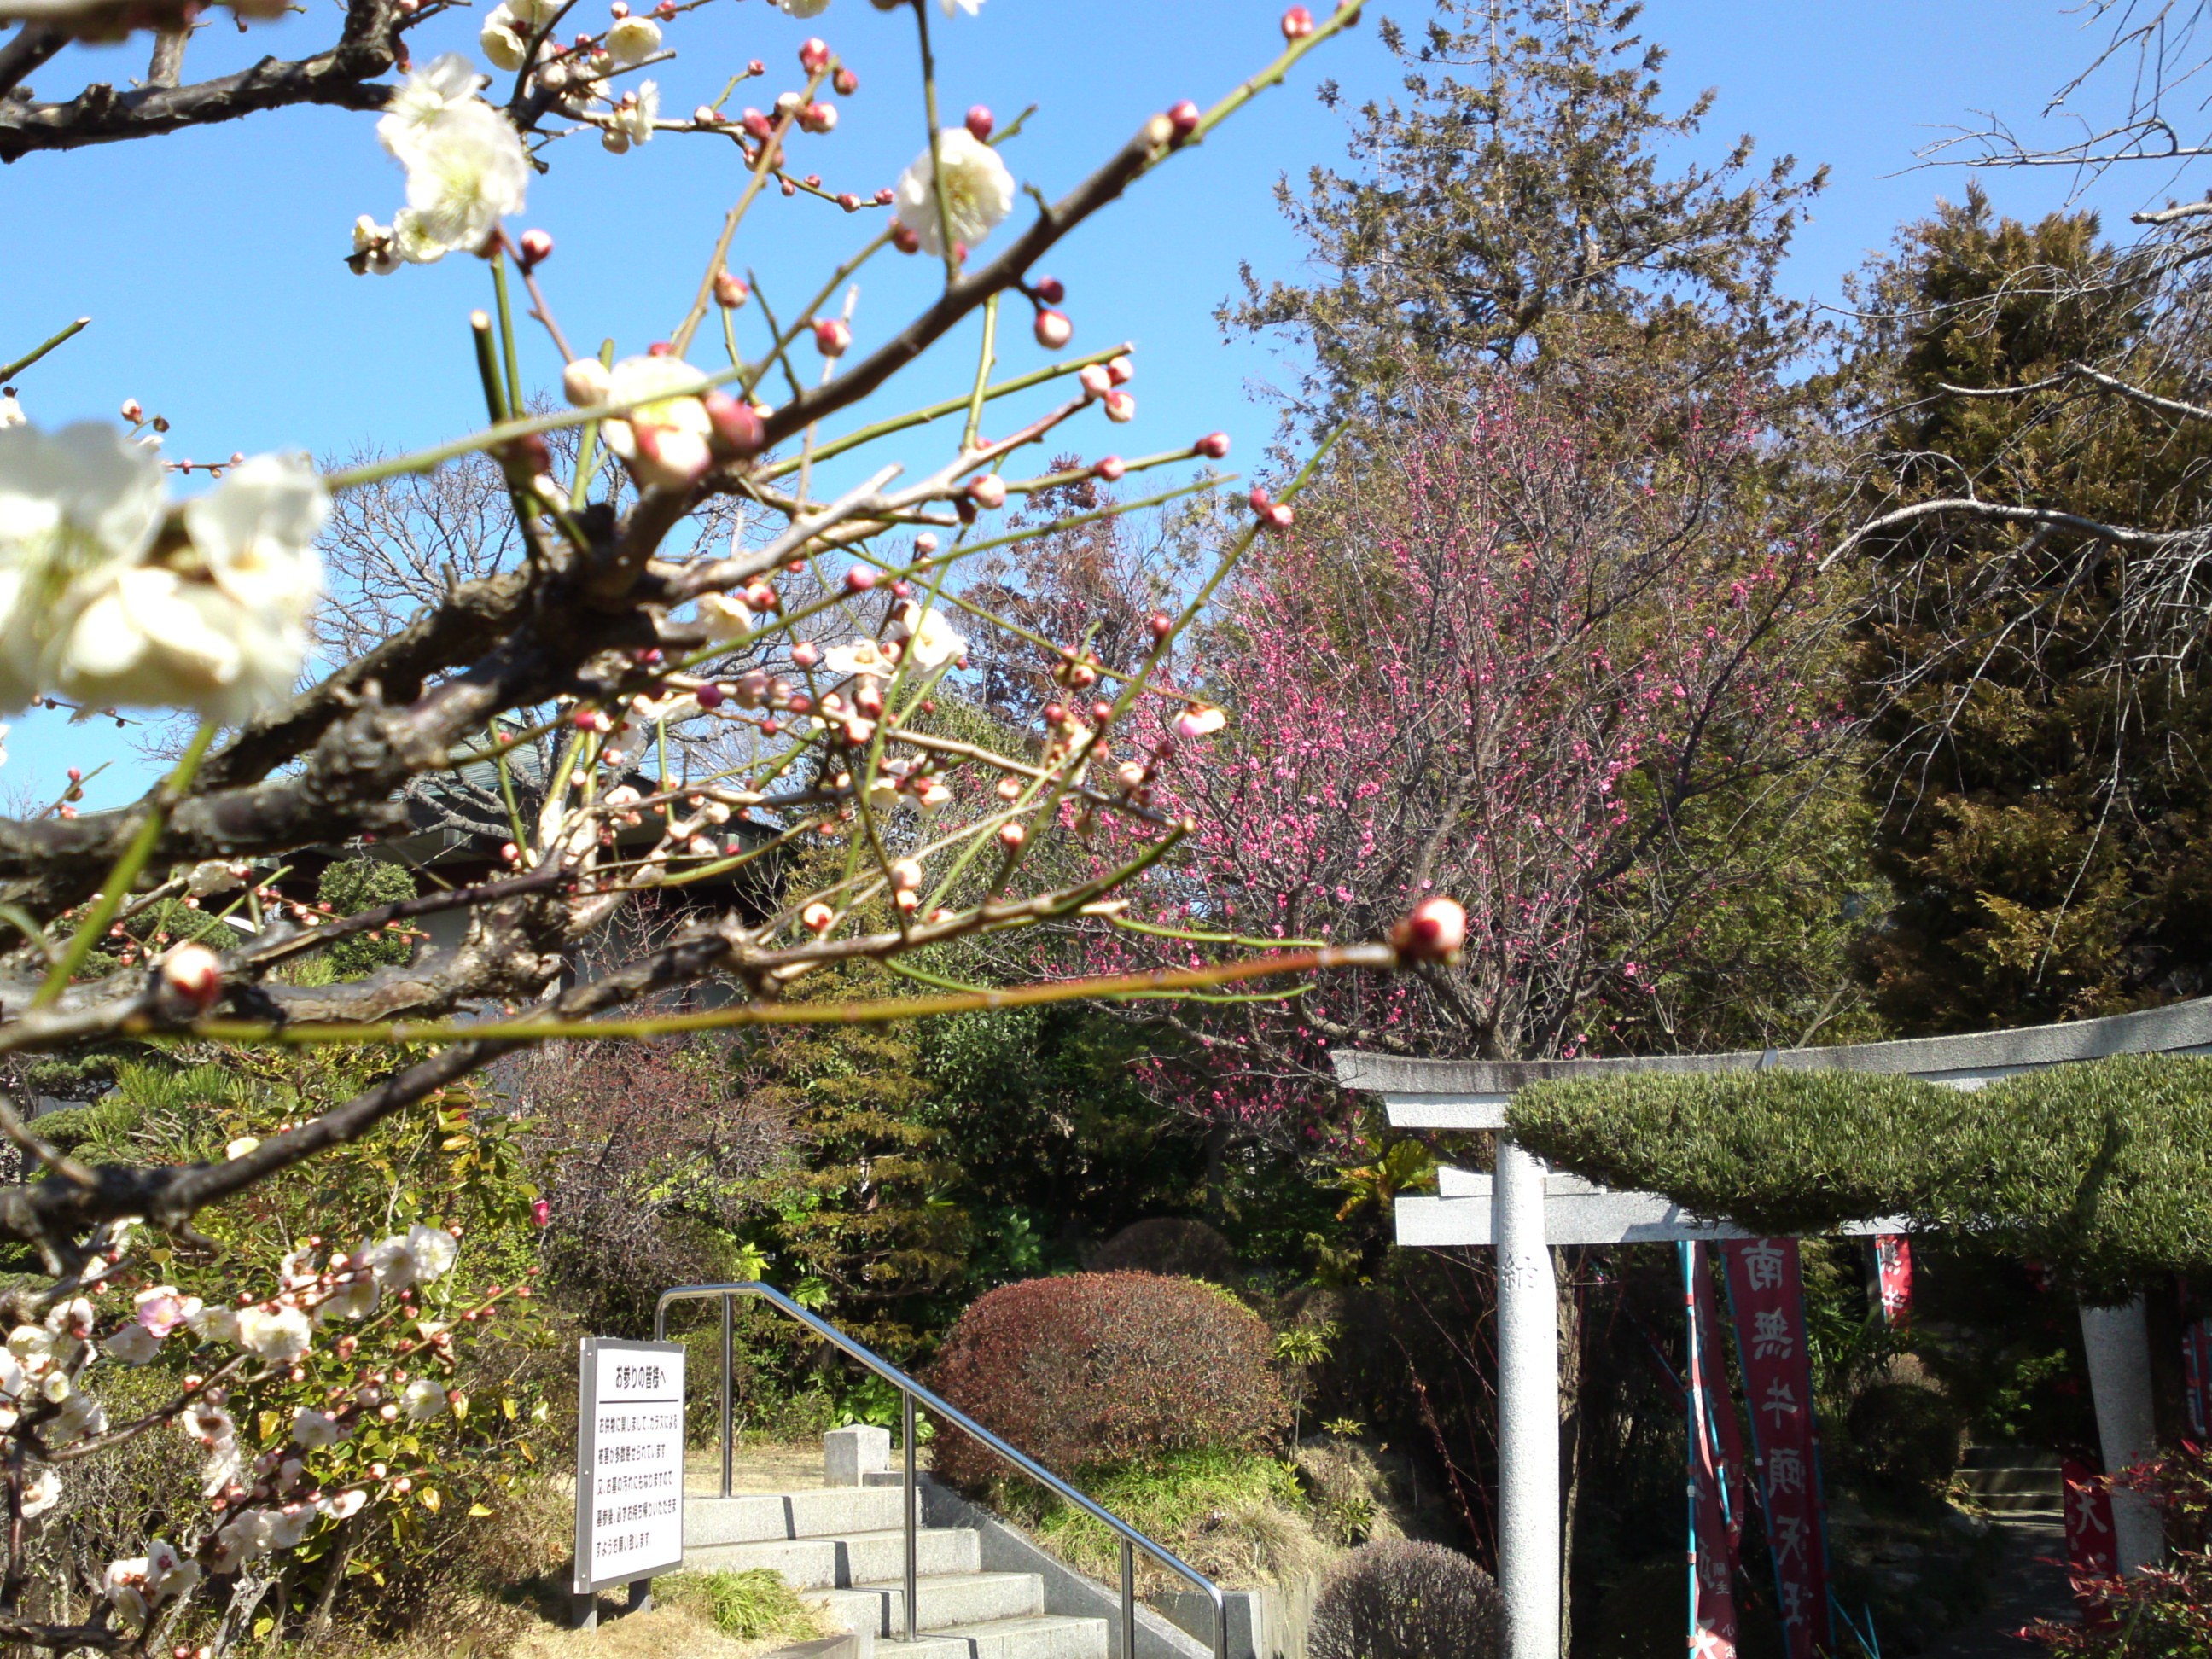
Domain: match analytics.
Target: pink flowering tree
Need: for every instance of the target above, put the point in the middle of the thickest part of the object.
(663, 671)
(1560, 675)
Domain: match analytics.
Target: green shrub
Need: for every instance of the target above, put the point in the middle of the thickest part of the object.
(351, 887)
(1168, 1244)
(1400, 1599)
(748, 1606)
(2095, 1168)
(1100, 1371)
(1906, 1438)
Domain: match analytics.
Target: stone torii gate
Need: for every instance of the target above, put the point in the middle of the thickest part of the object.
(1529, 1207)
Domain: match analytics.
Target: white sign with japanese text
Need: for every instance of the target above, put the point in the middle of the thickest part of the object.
(629, 1461)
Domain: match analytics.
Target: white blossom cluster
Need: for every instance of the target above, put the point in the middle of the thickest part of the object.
(108, 597)
(466, 170)
(274, 1502)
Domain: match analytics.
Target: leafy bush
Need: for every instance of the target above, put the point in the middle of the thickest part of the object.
(1170, 1245)
(1238, 1517)
(2163, 1612)
(1906, 1438)
(1097, 1371)
(2094, 1168)
(1400, 1599)
(748, 1606)
(351, 886)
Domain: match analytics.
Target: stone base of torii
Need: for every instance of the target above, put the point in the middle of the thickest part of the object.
(1527, 1208)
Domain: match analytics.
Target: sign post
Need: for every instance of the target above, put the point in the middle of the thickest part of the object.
(630, 1469)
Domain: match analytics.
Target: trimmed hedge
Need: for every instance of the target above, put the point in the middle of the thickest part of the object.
(1100, 1371)
(1400, 1599)
(2100, 1169)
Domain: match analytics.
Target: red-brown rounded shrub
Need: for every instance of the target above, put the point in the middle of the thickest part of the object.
(1104, 1368)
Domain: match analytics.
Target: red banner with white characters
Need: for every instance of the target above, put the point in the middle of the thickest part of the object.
(1892, 1256)
(1712, 1539)
(2196, 1368)
(1727, 1427)
(1766, 1298)
(2092, 1547)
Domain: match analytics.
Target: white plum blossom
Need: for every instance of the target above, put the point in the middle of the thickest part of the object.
(954, 7)
(665, 437)
(422, 1399)
(422, 99)
(931, 640)
(40, 1494)
(803, 8)
(280, 1337)
(216, 1323)
(142, 1583)
(421, 1256)
(133, 1344)
(633, 118)
(356, 1297)
(76, 505)
(373, 247)
(345, 1505)
(633, 39)
(74, 1317)
(288, 1525)
(209, 1424)
(206, 879)
(979, 191)
(725, 618)
(315, 1430)
(162, 1309)
(222, 628)
(466, 173)
(861, 656)
(11, 413)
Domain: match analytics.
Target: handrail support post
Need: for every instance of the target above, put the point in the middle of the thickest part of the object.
(1128, 1600)
(906, 1433)
(729, 1446)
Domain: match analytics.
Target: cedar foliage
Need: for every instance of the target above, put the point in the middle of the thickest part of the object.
(1094, 1370)
(2041, 803)
(2095, 1168)
(1514, 207)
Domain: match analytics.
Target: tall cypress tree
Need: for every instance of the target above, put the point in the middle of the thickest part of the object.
(2043, 798)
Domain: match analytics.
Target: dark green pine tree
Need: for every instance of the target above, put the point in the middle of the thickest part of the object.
(1517, 207)
(2041, 789)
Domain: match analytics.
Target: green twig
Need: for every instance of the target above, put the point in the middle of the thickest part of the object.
(23, 363)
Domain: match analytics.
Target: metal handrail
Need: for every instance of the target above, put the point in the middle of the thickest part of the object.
(910, 1392)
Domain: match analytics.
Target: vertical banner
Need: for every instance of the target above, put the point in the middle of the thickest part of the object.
(1892, 1256)
(1767, 1297)
(2092, 1549)
(2196, 1370)
(1712, 1545)
(1728, 1428)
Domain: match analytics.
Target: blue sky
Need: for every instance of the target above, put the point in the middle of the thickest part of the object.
(212, 262)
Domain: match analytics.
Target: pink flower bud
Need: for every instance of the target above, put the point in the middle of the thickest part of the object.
(1278, 517)
(1108, 467)
(1011, 836)
(1160, 623)
(987, 492)
(537, 248)
(759, 596)
(541, 1213)
(1053, 331)
(1214, 446)
(1121, 406)
(730, 290)
(757, 125)
(819, 117)
(860, 579)
(846, 82)
(849, 202)
(1297, 23)
(807, 653)
(1259, 498)
(905, 238)
(817, 917)
(706, 116)
(925, 544)
(132, 411)
(1050, 289)
(1183, 118)
(736, 427)
(832, 336)
(1435, 932)
(813, 54)
(1120, 370)
(618, 10)
(1096, 382)
(980, 122)
(194, 972)
(755, 68)
(710, 696)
